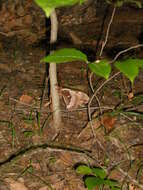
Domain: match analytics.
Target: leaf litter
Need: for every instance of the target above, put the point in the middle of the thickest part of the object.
(54, 165)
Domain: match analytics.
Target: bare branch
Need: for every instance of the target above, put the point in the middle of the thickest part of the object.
(135, 182)
(107, 32)
(126, 50)
(95, 93)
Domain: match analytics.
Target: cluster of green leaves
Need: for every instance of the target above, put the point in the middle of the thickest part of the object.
(96, 177)
(119, 3)
(49, 5)
(129, 67)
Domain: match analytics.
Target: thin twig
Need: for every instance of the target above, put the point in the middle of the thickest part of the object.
(43, 180)
(130, 178)
(95, 93)
(125, 116)
(62, 110)
(90, 82)
(101, 51)
(92, 108)
(89, 104)
(126, 50)
(107, 32)
(22, 103)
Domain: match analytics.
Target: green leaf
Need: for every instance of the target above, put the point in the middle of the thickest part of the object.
(138, 62)
(83, 169)
(99, 172)
(30, 169)
(129, 68)
(92, 182)
(111, 183)
(49, 5)
(119, 3)
(138, 3)
(28, 133)
(102, 68)
(65, 55)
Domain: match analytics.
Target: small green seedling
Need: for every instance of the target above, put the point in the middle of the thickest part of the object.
(129, 67)
(12, 128)
(13, 133)
(95, 177)
(29, 119)
(28, 169)
(40, 125)
(101, 68)
(28, 133)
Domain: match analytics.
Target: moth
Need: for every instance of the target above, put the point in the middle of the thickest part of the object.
(73, 98)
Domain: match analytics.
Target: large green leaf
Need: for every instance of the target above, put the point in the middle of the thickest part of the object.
(83, 169)
(102, 68)
(65, 55)
(99, 172)
(49, 5)
(129, 68)
(92, 182)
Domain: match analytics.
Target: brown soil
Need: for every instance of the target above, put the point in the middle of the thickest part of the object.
(28, 154)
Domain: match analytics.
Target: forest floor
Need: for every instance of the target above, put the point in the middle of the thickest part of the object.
(29, 157)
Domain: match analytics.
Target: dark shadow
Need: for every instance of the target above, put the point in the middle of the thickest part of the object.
(101, 30)
(140, 38)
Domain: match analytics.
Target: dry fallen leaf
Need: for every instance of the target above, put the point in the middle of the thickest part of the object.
(66, 158)
(26, 99)
(130, 96)
(86, 135)
(36, 166)
(108, 122)
(73, 98)
(58, 184)
(15, 185)
(132, 187)
(47, 104)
